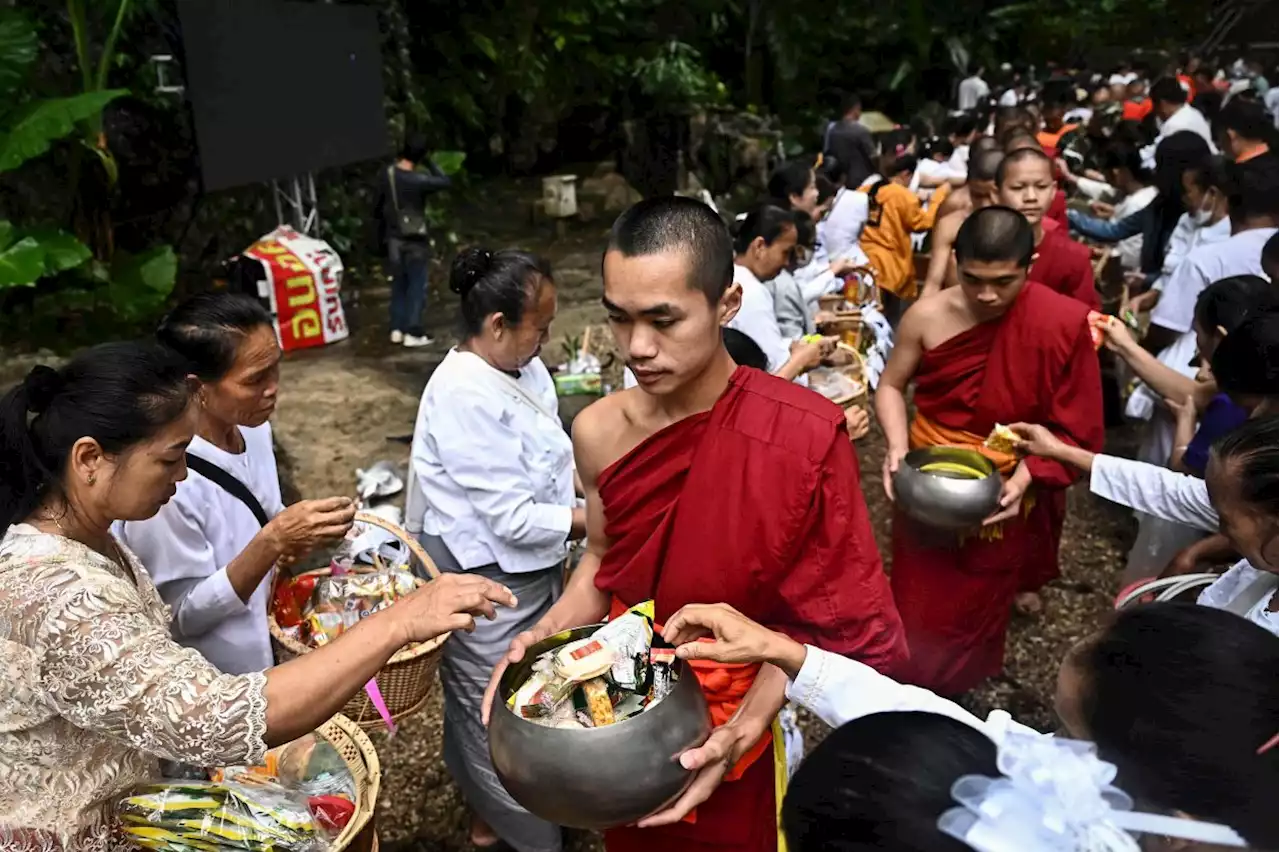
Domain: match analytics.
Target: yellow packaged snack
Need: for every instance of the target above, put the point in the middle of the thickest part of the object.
(596, 693)
(1002, 439)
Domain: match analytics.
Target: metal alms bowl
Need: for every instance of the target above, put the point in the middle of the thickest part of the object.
(942, 501)
(599, 777)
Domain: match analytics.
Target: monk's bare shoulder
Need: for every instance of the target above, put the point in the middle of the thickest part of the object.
(955, 202)
(598, 430)
(946, 228)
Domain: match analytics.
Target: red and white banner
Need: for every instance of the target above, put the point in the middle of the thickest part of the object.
(303, 282)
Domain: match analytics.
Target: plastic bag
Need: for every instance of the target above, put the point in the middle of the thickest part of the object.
(205, 816)
(339, 602)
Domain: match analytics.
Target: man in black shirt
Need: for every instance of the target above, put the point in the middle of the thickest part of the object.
(400, 210)
(851, 144)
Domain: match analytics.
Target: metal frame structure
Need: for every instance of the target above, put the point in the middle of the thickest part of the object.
(299, 196)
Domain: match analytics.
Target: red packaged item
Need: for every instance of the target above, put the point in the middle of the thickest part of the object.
(331, 813)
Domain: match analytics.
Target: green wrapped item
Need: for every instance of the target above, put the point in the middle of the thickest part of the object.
(578, 384)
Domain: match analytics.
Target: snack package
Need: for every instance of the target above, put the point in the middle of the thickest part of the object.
(256, 815)
(599, 705)
(582, 660)
(629, 637)
(339, 602)
(1002, 439)
(662, 662)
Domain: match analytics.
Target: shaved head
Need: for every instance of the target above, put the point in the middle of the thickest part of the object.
(1022, 155)
(984, 143)
(985, 164)
(1017, 139)
(994, 235)
(677, 224)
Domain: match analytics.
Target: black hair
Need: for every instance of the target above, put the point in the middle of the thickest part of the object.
(790, 178)
(208, 329)
(983, 165)
(1180, 697)
(1271, 256)
(414, 149)
(935, 145)
(849, 102)
(1012, 159)
(118, 394)
(881, 782)
(1254, 190)
(743, 350)
(1130, 158)
(904, 163)
(490, 282)
(1252, 450)
(1174, 155)
(1226, 303)
(1168, 90)
(833, 170)
(1211, 174)
(993, 234)
(806, 229)
(827, 188)
(1248, 119)
(768, 221)
(1019, 136)
(893, 140)
(1246, 362)
(1009, 117)
(676, 223)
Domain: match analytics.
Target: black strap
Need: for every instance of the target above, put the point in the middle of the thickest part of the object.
(229, 484)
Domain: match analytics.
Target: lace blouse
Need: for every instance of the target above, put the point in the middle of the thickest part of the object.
(95, 690)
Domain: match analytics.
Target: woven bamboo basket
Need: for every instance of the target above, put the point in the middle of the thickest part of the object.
(361, 758)
(857, 372)
(405, 681)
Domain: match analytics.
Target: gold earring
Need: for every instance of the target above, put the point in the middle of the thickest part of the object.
(93, 478)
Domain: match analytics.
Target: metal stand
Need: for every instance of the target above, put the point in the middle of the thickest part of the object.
(303, 210)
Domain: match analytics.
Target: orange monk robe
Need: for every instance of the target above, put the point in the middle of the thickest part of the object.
(894, 215)
(1064, 265)
(756, 504)
(1035, 364)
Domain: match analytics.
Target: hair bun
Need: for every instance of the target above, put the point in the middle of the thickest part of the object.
(469, 267)
(41, 385)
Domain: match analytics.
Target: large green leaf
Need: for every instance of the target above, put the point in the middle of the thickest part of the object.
(141, 282)
(21, 264)
(450, 162)
(40, 124)
(18, 46)
(61, 250)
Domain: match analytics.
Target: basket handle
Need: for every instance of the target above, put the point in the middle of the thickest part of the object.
(404, 535)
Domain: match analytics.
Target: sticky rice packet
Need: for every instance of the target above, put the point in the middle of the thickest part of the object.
(1002, 439)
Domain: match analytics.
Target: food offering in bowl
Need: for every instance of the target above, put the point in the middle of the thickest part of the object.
(591, 724)
(947, 487)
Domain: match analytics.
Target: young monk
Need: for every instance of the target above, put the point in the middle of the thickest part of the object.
(1055, 215)
(981, 190)
(959, 199)
(980, 353)
(1025, 182)
(710, 482)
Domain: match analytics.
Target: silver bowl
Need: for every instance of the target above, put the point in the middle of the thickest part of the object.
(942, 501)
(599, 777)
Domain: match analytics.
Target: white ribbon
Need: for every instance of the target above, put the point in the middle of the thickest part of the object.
(1056, 796)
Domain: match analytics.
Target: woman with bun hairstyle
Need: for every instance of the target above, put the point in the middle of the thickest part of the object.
(492, 494)
(95, 689)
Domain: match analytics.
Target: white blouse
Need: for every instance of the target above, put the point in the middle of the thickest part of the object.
(188, 545)
(1182, 499)
(757, 319)
(492, 466)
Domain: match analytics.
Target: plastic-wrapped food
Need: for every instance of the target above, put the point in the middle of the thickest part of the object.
(339, 602)
(583, 660)
(629, 637)
(210, 817)
(662, 662)
(599, 705)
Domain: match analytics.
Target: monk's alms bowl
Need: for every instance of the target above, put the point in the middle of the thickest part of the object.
(947, 498)
(596, 778)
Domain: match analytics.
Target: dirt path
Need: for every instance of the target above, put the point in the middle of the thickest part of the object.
(341, 404)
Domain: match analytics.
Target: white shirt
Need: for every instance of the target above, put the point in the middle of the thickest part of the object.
(1154, 490)
(929, 168)
(1239, 255)
(959, 162)
(1187, 117)
(757, 320)
(971, 92)
(494, 465)
(839, 690)
(843, 225)
(1236, 582)
(1122, 79)
(187, 546)
(1009, 98)
(1130, 250)
(1186, 237)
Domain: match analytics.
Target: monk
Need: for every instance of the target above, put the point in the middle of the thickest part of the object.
(959, 199)
(1025, 183)
(1055, 215)
(980, 354)
(710, 482)
(981, 190)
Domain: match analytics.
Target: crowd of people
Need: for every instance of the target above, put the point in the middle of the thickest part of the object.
(142, 513)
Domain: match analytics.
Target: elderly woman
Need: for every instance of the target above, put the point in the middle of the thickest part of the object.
(493, 493)
(210, 550)
(95, 690)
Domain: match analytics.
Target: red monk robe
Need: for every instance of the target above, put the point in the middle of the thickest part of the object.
(1064, 265)
(756, 504)
(1036, 364)
(1057, 212)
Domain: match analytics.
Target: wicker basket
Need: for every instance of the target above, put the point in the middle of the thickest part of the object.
(857, 371)
(405, 681)
(358, 753)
